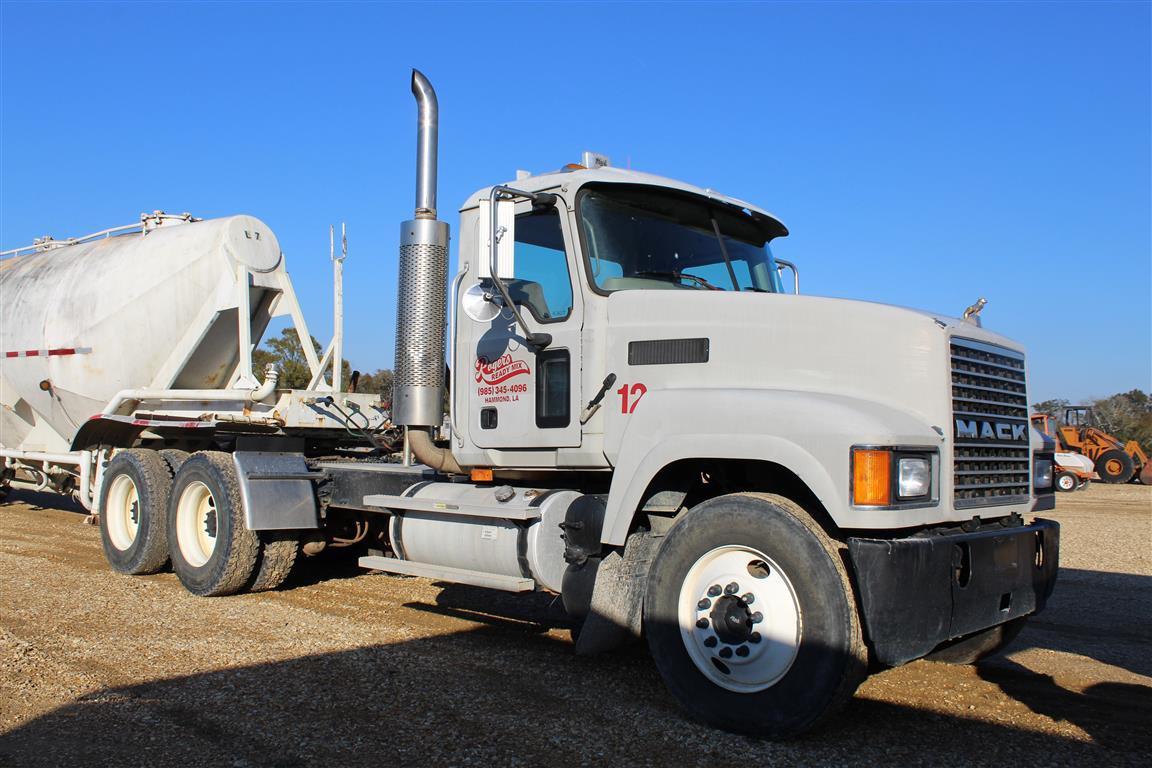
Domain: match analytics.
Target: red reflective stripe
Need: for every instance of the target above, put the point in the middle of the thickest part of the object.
(50, 352)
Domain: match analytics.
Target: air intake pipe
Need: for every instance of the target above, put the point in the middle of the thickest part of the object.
(418, 381)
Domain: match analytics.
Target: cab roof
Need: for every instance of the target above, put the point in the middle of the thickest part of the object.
(574, 177)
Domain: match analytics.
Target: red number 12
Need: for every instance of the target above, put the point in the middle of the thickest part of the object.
(636, 391)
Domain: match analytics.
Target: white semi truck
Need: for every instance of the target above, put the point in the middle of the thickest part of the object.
(777, 491)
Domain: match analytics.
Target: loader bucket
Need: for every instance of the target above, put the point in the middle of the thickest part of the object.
(1146, 474)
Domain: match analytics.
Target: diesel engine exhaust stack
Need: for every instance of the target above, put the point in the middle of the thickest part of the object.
(417, 392)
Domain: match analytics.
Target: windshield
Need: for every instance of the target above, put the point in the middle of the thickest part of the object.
(640, 237)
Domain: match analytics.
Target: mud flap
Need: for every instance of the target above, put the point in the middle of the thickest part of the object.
(618, 597)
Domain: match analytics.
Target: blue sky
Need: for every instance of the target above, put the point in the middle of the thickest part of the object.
(921, 154)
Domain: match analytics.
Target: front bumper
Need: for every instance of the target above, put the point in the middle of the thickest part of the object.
(918, 592)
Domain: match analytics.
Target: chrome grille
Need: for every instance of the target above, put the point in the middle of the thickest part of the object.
(990, 425)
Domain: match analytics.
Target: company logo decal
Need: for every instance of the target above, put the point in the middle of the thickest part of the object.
(991, 430)
(502, 369)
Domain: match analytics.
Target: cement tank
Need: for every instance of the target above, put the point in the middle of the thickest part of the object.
(155, 308)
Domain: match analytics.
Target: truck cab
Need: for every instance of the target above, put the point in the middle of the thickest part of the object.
(670, 338)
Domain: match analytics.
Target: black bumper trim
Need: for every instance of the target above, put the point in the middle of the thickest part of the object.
(916, 593)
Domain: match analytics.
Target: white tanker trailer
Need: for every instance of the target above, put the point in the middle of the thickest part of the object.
(142, 336)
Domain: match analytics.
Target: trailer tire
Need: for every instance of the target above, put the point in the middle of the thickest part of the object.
(705, 643)
(980, 645)
(1066, 481)
(278, 551)
(133, 504)
(174, 458)
(1115, 466)
(213, 552)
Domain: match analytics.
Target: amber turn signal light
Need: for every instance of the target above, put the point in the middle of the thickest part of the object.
(481, 475)
(871, 477)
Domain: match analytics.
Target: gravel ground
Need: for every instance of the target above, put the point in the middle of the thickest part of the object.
(349, 668)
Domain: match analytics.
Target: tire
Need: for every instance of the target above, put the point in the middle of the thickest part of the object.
(1115, 466)
(973, 648)
(278, 551)
(174, 458)
(769, 548)
(133, 503)
(1066, 482)
(213, 553)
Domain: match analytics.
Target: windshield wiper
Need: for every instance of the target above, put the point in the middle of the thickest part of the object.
(681, 276)
(724, 252)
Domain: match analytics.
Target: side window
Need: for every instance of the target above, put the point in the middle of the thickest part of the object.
(542, 283)
(553, 388)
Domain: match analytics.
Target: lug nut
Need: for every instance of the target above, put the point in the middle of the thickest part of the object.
(754, 637)
(725, 653)
(710, 642)
(748, 598)
(742, 651)
(702, 623)
(732, 588)
(704, 604)
(757, 617)
(714, 590)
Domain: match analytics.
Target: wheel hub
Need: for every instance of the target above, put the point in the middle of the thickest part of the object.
(197, 523)
(732, 620)
(739, 619)
(123, 512)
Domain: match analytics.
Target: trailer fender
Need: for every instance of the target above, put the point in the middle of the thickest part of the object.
(808, 433)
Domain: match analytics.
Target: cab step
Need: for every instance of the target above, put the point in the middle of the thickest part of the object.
(444, 573)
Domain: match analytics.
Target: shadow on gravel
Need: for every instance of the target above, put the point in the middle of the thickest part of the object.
(1114, 714)
(492, 696)
(41, 500)
(1103, 616)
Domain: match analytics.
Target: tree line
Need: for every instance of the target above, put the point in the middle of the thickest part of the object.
(286, 353)
(1126, 415)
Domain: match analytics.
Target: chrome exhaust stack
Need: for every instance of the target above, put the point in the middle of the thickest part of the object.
(418, 381)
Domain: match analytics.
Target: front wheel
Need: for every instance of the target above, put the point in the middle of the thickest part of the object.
(751, 618)
(1115, 466)
(1066, 481)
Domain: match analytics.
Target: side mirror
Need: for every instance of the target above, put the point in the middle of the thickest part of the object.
(505, 241)
(497, 239)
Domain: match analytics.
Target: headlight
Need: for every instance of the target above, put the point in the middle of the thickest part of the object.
(1042, 474)
(915, 477)
(890, 478)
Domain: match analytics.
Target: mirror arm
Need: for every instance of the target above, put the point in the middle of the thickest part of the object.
(795, 274)
(537, 340)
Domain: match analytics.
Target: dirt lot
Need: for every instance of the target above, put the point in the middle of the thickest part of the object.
(350, 668)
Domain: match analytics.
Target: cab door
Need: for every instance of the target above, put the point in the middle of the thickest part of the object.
(521, 397)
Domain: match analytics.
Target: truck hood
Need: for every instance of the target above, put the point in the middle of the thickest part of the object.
(878, 352)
